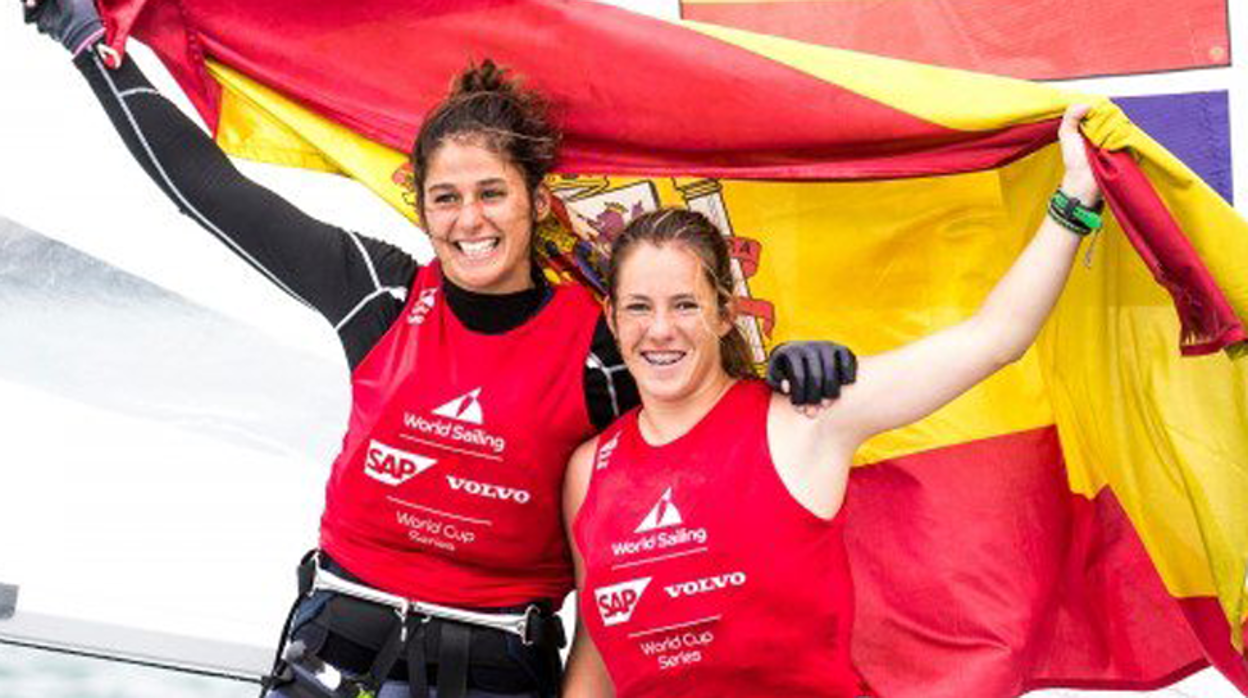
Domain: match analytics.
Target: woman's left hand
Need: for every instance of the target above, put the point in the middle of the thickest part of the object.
(1078, 181)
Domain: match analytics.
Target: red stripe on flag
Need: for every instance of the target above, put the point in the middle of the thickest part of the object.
(1208, 619)
(979, 574)
(634, 95)
(1208, 322)
(1034, 39)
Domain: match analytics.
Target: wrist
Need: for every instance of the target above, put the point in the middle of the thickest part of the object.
(1083, 188)
(1075, 214)
(83, 38)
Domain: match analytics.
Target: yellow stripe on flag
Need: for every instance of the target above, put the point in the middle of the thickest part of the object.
(259, 124)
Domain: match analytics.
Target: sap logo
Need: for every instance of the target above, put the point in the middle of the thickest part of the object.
(664, 514)
(393, 466)
(424, 303)
(465, 408)
(617, 602)
(706, 584)
(605, 451)
(482, 489)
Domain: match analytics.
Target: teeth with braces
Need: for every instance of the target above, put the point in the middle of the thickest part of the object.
(663, 358)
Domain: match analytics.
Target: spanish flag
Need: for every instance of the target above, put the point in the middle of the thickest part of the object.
(1080, 519)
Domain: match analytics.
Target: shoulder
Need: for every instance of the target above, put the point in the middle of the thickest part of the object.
(576, 480)
(583, 456)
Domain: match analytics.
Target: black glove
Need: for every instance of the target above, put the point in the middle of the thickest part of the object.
(814, 370)
(74, 23)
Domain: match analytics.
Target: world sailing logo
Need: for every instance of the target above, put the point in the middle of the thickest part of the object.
(463, 420)
(465, 408)
(663, 528)
(663, 515)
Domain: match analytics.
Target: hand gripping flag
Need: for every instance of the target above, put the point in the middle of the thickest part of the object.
(1080, 519)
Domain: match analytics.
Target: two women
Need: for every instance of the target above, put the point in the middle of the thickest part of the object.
(442, 556)
(707, 526)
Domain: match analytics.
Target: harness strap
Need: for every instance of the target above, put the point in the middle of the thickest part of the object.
(455, 645)
(417, 663)
(279, 674)
(387, 655)
(522, 625)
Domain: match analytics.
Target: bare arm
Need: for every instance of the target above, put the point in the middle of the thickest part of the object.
(904, 385)
(586, 674)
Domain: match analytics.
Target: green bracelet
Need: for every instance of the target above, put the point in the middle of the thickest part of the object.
(1072, 215)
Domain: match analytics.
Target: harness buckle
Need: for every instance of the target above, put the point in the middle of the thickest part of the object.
(532, 615)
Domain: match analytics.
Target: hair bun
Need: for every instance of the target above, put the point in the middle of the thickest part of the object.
(488, 103)
(486, 77)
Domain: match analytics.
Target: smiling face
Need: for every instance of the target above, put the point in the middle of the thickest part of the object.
(668, 323)
(480, 216)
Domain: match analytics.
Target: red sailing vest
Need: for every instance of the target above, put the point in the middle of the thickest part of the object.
(449, 482)
(703, 576)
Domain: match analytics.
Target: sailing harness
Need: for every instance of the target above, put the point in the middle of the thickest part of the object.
(344, 639)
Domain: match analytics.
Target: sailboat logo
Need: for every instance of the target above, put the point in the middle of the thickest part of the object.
(465, 408)
(663, 515)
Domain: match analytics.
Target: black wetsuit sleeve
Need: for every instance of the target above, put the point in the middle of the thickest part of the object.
(609, 388)
(358, 284)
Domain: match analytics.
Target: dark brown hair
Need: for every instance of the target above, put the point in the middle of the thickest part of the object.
(487, 106)
(700, 236)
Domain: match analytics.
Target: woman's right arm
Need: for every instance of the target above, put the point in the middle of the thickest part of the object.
(344, 276)
(904, 385)
(586, 675)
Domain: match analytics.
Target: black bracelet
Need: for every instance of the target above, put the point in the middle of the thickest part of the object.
(1071, 214)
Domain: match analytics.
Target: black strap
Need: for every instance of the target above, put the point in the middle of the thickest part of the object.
(387, 655)
(305, 574)
(279, 674)
(417, 663)
(456, 642)
(545, 629)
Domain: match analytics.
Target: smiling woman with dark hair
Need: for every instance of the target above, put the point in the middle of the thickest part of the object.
(442, 557)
